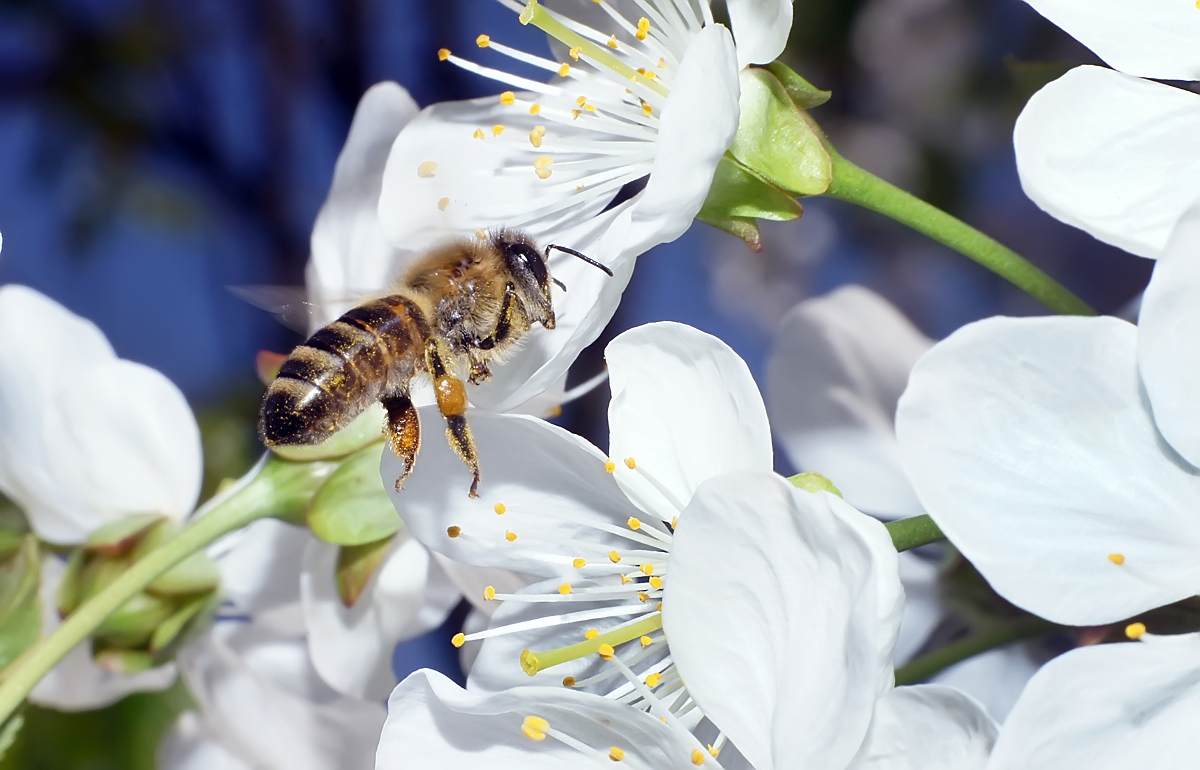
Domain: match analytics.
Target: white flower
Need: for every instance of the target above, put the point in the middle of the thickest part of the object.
(692, 517)
(1108, 151)
(551, 158)
(87, 438)
(1040, 447)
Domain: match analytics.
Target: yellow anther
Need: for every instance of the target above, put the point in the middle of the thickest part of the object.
(610, 466)
(510, 536)
(625, 579)
(535, 728)
(612, 41)
(535, 109)
(643, 28)
(459, 639)
(643, 597)
(543, 173)
(489, 593)
(497, 130)
(646, 641)
(1116, 558)
(535, 138)
(575, 114)
(674, 522)
(647, 109)
(453, 531)
(606, 651)
(564, 589)
(498, 507)
(543, 161)
(615, 754)
(614, 557)
(579, 563)
(656, 582)
(660, 606)
(653, 680)
(443, 54)
(575, 52)
(697, 757)
(478, 133)
(581, 101)
(629, 463)
(647, 569)
(443, 203)
(590, 107)
(662, 63)
(508, 97)
(1135, 630)
(591, 633)
(650, 75)
(713, 751)
(568, 681)
(426, 169)
(564, 69)
(483, 41)
(634, 522)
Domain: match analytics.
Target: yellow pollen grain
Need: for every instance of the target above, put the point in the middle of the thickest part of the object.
(459, 639)
(483, 41)
(579, 563)
(510, 536)
(606, 651)
(591, 633)
(653, 680)
(489, 593)
(1116, 558)
(535, 138)
(612, 41)
(697, 757)
(497, 130)
(643, 597)
(443, 54)
(535, 728)
(629, 463)
(535, 109)
(615, 754)
(1135, 630)
(443, 203)
(499, 507)
(647, 569)
(634, 523)
(646, 641)
(568, 681)
(564, 69)
(656, 582)
(481, 235)
(508, 97)
(454, 531)
(426, 169)
(564, 589)
(610, 466)
(478, 133)
(574, 52)
(614, 557)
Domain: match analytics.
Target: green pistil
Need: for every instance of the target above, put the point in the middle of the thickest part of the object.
(533, 662)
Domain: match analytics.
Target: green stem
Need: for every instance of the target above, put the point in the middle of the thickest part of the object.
(855, 185)
(274, 487)
(913, 532)
(921, 669)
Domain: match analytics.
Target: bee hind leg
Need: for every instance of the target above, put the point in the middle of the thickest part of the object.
(458, 433)
(403, 432)
(451, 395)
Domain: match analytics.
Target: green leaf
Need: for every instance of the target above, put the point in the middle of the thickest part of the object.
(814, 482)
(118, 537)
(777, 141)
(20, 607)
(366, 428)
(802, 93)
(134, 622)
(121, 661)
(738, 196)
(352, 507)
(171, 629)
(356, 565)
(195, 574)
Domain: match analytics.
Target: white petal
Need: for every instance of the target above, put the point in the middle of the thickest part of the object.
(685, 408)
(189, 745)
(801, 588)
(350, 256)
(1112, 154)
(930, 727)
(1150, 38)
(922, 604)
(434, 723)
(836, 370)
(352, 647)
(260, 573)
(551, 483)
(761, 28)
(77, 683)
(470, 581)
(1168, 327)
(262, 700)
(995, 679)
(1108, 707)
(1030, 444)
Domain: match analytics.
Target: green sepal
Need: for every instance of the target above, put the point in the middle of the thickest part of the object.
(366, 428)
(70, 588)
(10, 542)
(163, 530)
(20, 606)
(803, 94)
(122, 661)
(814, 482)
(195, 574)
(134, 622)
(356, 565)
(352, 507)
(187, 617)
(738, 196)
(98, 573)
(9, 732)
(115, 538)
(776, 140)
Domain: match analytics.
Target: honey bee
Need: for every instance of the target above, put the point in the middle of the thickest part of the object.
(458, 309)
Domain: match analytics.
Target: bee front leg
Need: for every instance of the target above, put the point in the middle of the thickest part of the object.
(451, 395)
(403, 432)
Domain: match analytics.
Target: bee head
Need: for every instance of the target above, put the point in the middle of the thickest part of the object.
(527, 268)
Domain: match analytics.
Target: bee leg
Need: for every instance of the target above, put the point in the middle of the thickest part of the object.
(403, 432)
(511, 318)
(451, 395)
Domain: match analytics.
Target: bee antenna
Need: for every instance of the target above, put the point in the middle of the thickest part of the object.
(560, 284)
(585, 258)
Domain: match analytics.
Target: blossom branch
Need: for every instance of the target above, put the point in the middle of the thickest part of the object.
(922, 668)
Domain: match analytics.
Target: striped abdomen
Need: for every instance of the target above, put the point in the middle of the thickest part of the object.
(343, 369)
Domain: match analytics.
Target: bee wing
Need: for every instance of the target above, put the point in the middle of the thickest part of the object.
(287, 303)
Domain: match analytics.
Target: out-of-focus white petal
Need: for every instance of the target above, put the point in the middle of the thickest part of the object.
(922, 605)
(836, 370)
(761, 28)
(260, 573)
(434, 723)
(927, 727)
(995, 679)
(1168, 327)
(1149, 38)
(350, 256)
(1108, 707)
(77, 683)
(685, 408)
(1112, 154)
(189, 745)
(352, 647)
(802, 588)
(470, 581)
(1030, 444)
